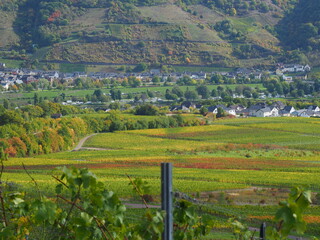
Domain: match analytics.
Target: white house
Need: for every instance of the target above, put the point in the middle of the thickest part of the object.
(231, 111)
(251, 111)
(307, 68)
(287, 111)
(314, 108)
(214, 109)
(295, 68)
(267, 112)
(52, 75)
(303, 113)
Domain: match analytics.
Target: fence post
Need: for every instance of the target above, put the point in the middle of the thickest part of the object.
(166, 200)
(263, 231)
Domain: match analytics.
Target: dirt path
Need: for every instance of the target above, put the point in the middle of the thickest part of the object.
(82, 141)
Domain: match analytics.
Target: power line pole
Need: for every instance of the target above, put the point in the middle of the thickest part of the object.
(166, 200)
(263, 231)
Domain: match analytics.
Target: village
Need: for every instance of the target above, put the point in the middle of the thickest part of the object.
(288, 72)
(14, 76)
(262, 109)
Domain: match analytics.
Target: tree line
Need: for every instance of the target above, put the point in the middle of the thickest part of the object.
(41, 129)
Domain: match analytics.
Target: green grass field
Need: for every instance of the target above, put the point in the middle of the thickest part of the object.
(11, 63)
(248, 160)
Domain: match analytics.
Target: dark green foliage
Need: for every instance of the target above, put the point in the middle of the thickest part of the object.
(300, 28)
(133, 81)
(203, 110)
(177, 91)
(115, 106)
(147, 109)
(140, 67)
(214, 93)
(170, 95)
(156, 79)
(227, 31)
(221, 113)
(297, 88)
(186, 217)
(83, 208)
(186, 80)
(10, 116)
(99, 214)
(6, 103)
(115, 94)
(191, 95)
(246, 51)
(290, 214)
(203, 91)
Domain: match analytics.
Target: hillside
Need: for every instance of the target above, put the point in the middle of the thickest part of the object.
(184, 32)
(300, 29)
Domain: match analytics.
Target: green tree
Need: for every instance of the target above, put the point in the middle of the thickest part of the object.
(191, 94)
(221, 113)
(141, 67)
(11, 116)
(214, 93)
(177, 91)
(35, 99)
(170, 96)
(116, 94)
(147, 109)
(156, 79)
(203, 91)
(6, 103)
(203, 110)
(115, 106)
(98, 93)
(133, 81)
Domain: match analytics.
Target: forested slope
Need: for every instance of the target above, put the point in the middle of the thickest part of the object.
(190, 32)
(301, 27)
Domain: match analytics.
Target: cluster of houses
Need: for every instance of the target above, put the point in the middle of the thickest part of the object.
(9, 77)
(12, 76)
(299, 71)
(277, 109)
(293, 68)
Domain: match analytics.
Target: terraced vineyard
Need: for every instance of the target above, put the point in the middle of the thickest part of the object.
(237, 161)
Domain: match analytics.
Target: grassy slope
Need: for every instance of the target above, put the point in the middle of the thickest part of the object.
(7, 34)
(191, 28)
(174, 22)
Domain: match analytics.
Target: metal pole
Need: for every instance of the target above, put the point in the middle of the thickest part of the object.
(263, 231)
(166, 200)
